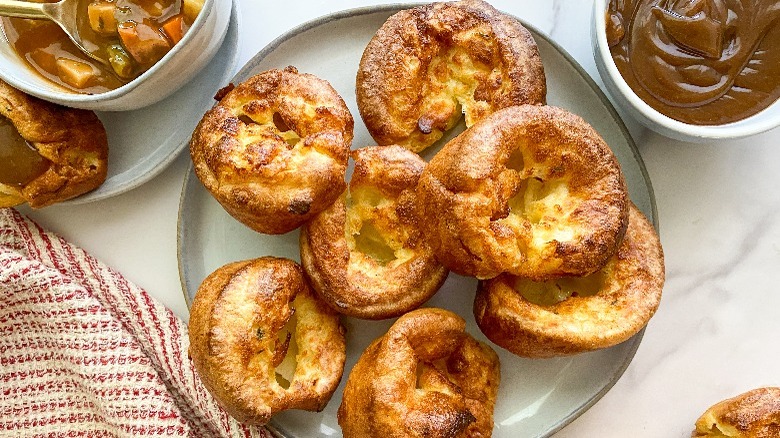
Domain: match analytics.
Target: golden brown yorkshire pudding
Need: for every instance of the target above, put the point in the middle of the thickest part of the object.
(262, 342)
(427, 65)
(426, 377)
(364, 254)
(754, 414)
(274, 150)
(48, 153)
(570, 315)
(530, 190)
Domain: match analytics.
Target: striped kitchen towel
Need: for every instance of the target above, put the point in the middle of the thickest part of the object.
(85, 353)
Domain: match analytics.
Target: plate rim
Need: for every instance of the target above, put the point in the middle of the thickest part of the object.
(276, 430)
(234, 27)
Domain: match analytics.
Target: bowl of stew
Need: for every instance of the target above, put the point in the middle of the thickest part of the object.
(692, 70)
(151, 49)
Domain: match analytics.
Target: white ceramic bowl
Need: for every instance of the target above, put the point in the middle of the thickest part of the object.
(174, 70)
(631, 104)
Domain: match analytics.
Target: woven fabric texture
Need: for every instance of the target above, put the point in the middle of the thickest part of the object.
(85, 353)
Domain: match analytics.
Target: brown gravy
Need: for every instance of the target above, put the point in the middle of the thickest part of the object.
(133, 36)
(20, 163)
(41, 43)
(703, 62)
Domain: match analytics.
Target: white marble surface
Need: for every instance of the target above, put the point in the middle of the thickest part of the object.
(716, 332)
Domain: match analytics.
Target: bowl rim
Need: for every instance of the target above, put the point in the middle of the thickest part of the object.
(75, 97)
(741, 128)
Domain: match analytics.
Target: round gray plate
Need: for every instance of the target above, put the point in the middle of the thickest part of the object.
(536, 397)
(143, 142)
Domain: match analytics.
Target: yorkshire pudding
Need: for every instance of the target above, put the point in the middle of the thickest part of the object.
(427, 65)
(426, 377)
(754, 414)
(530, 190)
(274, 150)
(50, 153)
(570, 315)
(365, 254)
(262, 342)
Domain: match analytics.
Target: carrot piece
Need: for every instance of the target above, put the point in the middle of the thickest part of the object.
(174, 28)
(144, 43)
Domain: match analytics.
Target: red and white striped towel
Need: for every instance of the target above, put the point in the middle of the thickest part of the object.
(85, 353)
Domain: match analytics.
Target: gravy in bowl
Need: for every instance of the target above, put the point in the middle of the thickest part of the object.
(131, 35)
(702, 62)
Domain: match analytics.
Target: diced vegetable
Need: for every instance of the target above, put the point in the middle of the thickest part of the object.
(101, 17)
(191, 9)
(174, 28)
(75, 73)
(120, 61)
(154, 8)
(144, 43)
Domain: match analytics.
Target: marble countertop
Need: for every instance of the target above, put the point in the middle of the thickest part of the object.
(716, 332)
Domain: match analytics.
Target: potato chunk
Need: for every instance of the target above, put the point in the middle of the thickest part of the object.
(74, 73)
(191, 9)
(101, 17)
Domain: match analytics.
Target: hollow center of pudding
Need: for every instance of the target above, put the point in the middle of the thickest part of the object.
(721, 431)
(287, 350)
(453, 88)
(370, 241)
(537, 199)
(373, 228)
(548, 293)
(260, 122)
(291, 137)
(420, 373)
(432, 376)
(545, 204)
(20, 163)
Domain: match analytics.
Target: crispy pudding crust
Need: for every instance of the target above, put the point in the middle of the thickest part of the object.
(274, 150)
(427, 65)
(365, 254)
(754, 414)
(530, 190)
(73, 142)
(571, 315)
(426, 377)
(262, 342)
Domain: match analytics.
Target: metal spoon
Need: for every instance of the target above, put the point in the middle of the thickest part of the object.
(63, 13)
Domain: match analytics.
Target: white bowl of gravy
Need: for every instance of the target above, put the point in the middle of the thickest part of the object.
(692, 70)
(154, 48)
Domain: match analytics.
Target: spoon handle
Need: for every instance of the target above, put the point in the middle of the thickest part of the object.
(23, 9)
